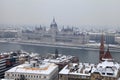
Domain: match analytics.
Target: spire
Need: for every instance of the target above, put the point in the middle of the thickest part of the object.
(101, 53)
(56, 53)
(53, 19)
(107, 54)
(108, 48)
(102, 41)
(53, 24)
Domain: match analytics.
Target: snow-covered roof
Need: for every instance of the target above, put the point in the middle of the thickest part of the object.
(42, 68)
(60, 58)
(77, 69)
(7, 79)
(107, 68)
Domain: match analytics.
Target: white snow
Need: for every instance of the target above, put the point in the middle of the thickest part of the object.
(45, 68)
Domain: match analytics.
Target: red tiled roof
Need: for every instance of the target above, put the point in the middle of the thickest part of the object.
(107, 55)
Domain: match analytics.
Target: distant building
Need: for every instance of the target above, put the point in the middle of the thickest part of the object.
(8, 33)
(52, 35)
(109, 38)
(117, 38)
(33, 70)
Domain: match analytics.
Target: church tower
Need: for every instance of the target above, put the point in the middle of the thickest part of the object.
(101, 52)
(107, 55)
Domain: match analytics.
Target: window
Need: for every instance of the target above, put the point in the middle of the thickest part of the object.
(103, 73)
(109, 73)
(44, 76)
(39, 76)
(7, 74)
(83, 76)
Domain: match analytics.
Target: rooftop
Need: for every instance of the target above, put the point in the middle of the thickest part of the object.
(34, 67)
(59, 59)
(77, 69)
(107, 68)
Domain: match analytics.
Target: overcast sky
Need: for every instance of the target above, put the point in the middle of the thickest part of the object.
(66, 12)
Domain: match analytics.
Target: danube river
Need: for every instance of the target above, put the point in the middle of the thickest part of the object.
(91, 56)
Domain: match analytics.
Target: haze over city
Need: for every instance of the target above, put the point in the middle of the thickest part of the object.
(59, 40)
(66, 12)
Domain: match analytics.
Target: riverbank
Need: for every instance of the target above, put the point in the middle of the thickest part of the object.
(95, 46)
(88, 55)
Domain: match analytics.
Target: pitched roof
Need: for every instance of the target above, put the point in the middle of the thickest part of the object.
(107, 54)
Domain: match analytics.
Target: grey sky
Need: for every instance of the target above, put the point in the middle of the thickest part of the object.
(66, 12)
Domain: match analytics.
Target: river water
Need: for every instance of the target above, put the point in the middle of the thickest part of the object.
(91, 56)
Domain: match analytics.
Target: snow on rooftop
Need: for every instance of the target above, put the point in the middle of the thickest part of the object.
(77, 69)
(33, 54)
(61, 58)
(107, 68)
(65, 70)
(7, 79)
(107, 63)
(44, 68)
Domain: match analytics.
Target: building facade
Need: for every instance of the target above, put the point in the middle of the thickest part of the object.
(53, 34)
(106, 70)
(33, 70)
(7, 61)
(117, 38)
(2, 65)
(76, 71)
(109, 38)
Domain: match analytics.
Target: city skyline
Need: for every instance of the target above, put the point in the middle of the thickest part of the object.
(74, 12)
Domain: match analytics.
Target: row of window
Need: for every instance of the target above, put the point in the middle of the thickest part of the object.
(102, 77)
(77, 77)
(26, 76)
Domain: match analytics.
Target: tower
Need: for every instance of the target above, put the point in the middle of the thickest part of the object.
(107, 55)
(56, 53)
(53, 25)
(101, 52)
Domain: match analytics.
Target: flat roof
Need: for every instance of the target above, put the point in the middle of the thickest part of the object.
(44, 68)
(82, 69)
(105, 68)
